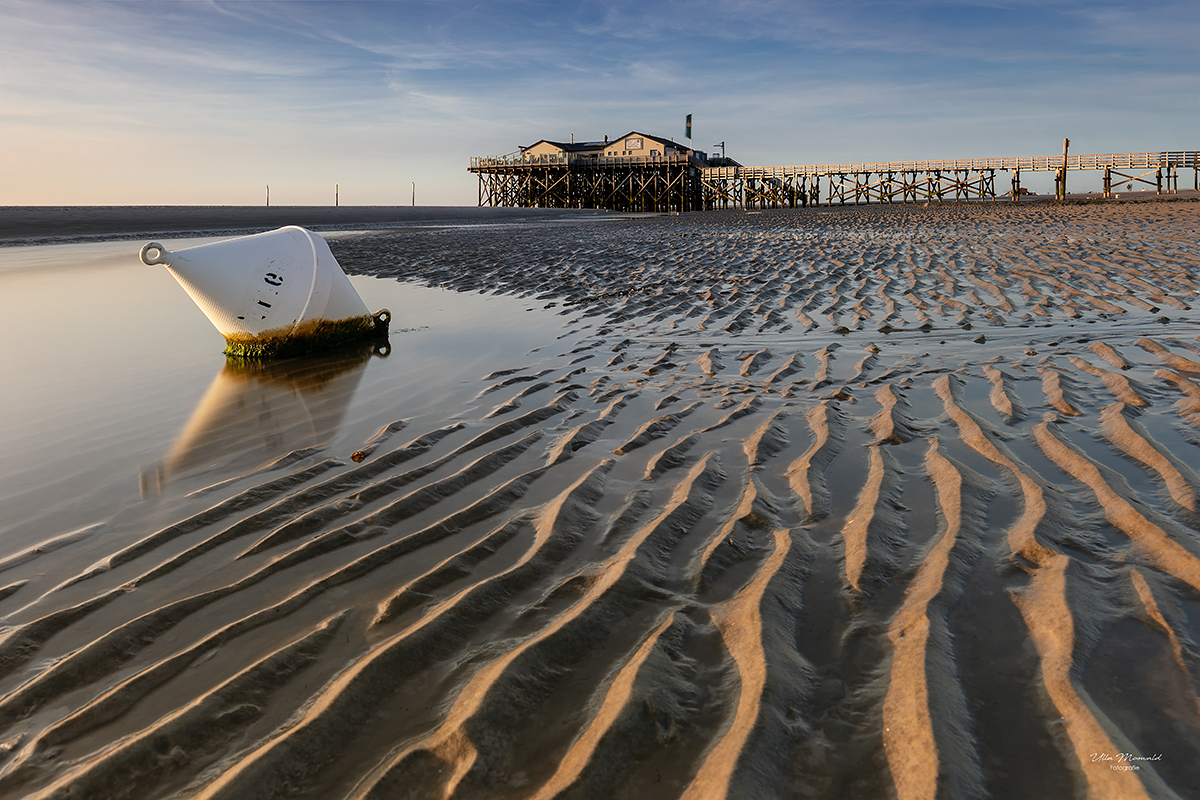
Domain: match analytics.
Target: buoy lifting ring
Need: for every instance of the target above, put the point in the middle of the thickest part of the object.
(161, 256)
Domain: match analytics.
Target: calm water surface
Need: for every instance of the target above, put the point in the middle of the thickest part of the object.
(116, 393)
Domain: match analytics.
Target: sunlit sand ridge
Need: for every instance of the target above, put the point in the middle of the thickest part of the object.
(834, 503)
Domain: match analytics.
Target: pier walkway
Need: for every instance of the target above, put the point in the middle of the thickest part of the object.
(679, 182)
(923, 181)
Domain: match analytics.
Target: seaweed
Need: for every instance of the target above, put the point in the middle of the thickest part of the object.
(309, 337)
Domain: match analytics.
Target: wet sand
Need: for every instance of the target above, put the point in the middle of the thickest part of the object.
(836, 503)
(27, 225)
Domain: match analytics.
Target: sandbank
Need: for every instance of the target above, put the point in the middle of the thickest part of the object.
(830, 503)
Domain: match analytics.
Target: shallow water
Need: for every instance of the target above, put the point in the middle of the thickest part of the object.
(117, 391)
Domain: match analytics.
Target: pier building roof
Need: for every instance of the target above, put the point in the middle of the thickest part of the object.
(633, 143)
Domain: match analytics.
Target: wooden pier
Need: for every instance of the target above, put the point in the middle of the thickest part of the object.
(664, 183)
(684, 181)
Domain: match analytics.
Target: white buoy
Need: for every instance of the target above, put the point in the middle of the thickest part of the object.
(272, 294)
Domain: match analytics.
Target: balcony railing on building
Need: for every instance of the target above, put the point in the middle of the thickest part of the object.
(575, 159)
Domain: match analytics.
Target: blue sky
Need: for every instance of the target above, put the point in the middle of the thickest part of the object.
(207, 102)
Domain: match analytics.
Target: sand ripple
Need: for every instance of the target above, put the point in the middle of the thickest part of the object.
(832, 504)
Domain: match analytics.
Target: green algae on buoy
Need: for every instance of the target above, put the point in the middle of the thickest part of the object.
(272, 294)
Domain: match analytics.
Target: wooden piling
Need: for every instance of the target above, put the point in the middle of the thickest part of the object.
(1063, 172)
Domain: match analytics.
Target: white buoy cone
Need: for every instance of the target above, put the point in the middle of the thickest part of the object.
(276, 293)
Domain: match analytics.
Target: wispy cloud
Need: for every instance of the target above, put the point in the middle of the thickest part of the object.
(218, 91)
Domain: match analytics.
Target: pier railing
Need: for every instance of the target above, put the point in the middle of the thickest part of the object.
(574, 159)
(518, 159)
(1176, 159)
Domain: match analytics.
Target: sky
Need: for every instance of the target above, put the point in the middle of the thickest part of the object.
(208, 103)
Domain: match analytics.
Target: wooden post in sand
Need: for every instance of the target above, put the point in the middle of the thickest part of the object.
(1062, 175)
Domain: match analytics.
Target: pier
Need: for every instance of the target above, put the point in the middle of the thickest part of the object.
(665, 182)
(634, 172)
(675, 178)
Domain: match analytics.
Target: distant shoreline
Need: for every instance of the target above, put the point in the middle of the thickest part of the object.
(32, 225)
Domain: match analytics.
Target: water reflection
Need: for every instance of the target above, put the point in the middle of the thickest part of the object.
(255, 412)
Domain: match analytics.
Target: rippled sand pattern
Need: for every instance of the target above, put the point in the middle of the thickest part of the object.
(842, 503)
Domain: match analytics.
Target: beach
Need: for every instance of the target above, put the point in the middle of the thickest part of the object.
(30, 225)
(886, 501)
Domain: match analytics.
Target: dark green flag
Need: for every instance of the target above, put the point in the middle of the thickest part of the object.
(689, 126)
